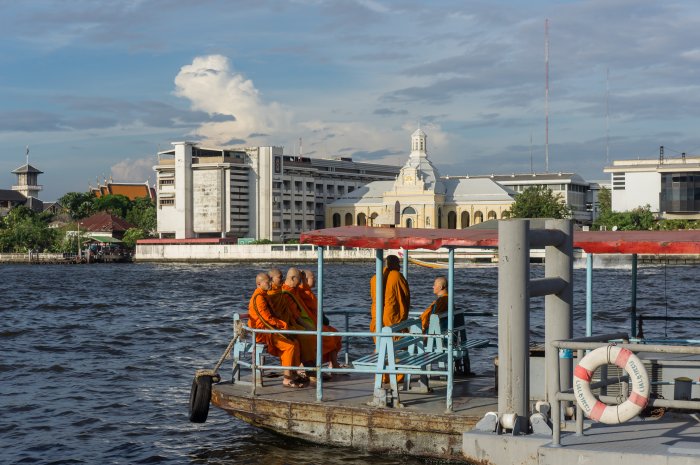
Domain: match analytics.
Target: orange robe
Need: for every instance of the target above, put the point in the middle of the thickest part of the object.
(438, 307)
(310, 302)
(307, 318)
(397, 299)
(285, 308)
(279, 345)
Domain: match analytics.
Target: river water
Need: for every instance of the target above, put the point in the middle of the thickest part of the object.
(96, 361)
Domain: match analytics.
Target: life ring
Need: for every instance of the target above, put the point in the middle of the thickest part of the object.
(200, 396)
(597, 410)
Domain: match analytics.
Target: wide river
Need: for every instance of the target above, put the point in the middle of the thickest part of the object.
(96, 361)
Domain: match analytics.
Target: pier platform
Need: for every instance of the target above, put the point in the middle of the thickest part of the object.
(421, 427)
(673, 439)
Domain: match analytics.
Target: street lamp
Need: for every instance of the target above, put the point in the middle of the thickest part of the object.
(80, 256)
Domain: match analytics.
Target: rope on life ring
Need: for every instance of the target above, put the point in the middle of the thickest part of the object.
(639, 380)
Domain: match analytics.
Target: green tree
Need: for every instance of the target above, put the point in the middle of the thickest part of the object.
(23, 230)
(142, 214)
(132, 235)
(79, 204)
(604, 201)
(116, 204)
(538, 202)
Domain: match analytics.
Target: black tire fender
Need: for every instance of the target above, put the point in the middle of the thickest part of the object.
(200, 396)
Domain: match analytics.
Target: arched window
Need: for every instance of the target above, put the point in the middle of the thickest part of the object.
(361, 219)
(373, 218)
(409, 223)
(478, 217)
(408, 211)
(465, 220)
(492, 215)
(348, 219)
(451, 220)
(439, 218)
(336, 220)
(505, 214)
(427, 221)
(397, 213)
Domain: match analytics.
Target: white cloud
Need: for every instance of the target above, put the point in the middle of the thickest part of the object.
(133, 170)
(211, 86)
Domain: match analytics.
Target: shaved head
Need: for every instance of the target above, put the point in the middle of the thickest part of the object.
(393, 262)
(293, 277)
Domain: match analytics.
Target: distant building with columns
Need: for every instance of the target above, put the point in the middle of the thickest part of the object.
(420, 198)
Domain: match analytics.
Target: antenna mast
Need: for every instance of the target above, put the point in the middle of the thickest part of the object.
(546, 95)
(531, 171)
(607, 116)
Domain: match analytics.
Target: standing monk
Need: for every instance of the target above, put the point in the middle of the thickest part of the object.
(439, 305)
(397, 296)
(261, 317)
(397, 299)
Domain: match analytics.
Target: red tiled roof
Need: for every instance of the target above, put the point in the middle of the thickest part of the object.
(104, 222)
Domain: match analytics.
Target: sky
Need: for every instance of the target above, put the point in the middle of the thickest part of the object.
(95, 88)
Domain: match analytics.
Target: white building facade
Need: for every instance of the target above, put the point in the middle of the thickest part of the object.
(420, 198)
(255, 192)
(670, 186)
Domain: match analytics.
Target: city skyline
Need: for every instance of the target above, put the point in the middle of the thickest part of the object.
(97, 88)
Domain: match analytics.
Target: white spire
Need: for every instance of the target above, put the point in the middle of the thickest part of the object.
(419, 144)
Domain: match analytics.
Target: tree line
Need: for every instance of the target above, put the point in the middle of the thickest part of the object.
(541, 202)
(23, 229)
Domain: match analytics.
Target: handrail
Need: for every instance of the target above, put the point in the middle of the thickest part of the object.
(556, 396)
(320, 369)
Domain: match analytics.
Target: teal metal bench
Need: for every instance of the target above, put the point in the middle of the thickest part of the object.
(242, 354)
(461, 345)
(406, 355)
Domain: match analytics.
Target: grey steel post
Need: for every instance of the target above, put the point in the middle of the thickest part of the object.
(319, 325)
(558, 308)
(633, 305)
(450, 326)
(513, 316)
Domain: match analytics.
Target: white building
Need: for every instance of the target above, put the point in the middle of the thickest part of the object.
(570, 187)
(670, 186)
(254, 192)
(420, 198)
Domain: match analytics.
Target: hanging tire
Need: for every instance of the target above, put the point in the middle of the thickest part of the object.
(639, 380)
(200, 396)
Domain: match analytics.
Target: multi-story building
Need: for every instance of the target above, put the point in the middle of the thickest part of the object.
(570, 187)
(255, 192)
(670, 186)
(25, 192)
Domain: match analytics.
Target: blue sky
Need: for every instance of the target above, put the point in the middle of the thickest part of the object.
(95, 88)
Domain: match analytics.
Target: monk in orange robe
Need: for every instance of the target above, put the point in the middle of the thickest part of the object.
(330, 345)
(261, 316)
(397, 299)
(397, 296)
(285, 307)
(439, 305)
(307, 318)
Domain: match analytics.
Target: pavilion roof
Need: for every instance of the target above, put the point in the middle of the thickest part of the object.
(610, 242)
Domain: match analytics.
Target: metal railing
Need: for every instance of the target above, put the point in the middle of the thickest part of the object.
(557, 396)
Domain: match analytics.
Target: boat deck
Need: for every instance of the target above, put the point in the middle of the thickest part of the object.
(345, 417)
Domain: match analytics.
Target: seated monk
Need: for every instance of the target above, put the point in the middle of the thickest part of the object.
(330, 345)
(439, 305)
(287, 310)
(279, 345)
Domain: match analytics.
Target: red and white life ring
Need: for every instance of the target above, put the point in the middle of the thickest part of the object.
(639, 380)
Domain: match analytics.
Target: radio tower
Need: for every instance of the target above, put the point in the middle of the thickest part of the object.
(607, 116)
(546, 95)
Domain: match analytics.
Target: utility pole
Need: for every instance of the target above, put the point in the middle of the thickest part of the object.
(546, 95)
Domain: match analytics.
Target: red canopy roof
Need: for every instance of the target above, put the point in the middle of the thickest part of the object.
(622, 242)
